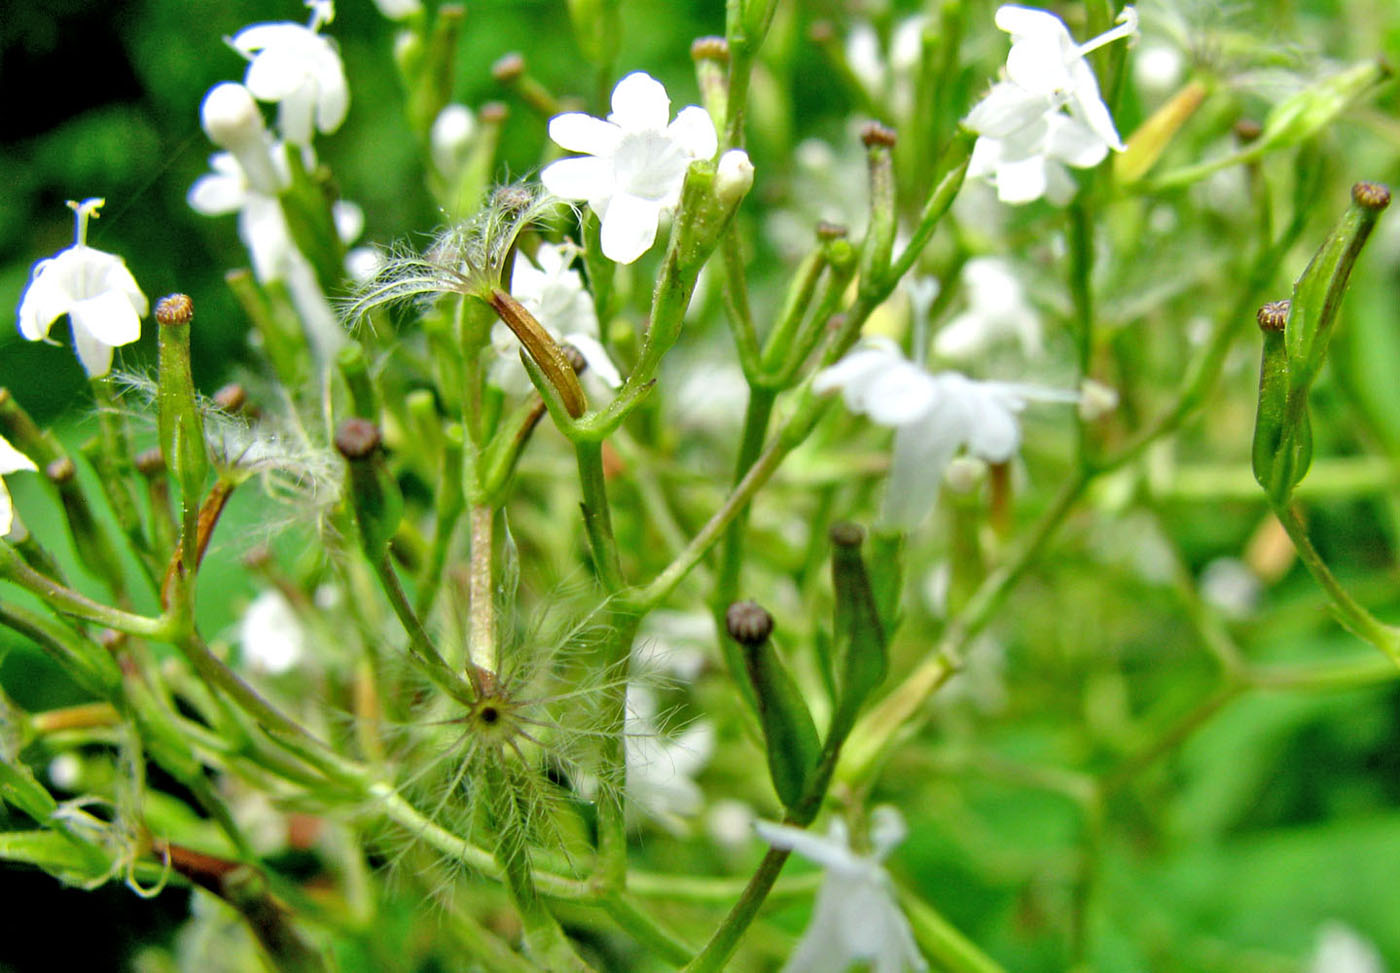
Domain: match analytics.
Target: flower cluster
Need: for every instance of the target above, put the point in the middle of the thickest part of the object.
(1047, 114)
(933, 417)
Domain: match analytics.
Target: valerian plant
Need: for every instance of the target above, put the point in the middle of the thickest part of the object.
(641, 518)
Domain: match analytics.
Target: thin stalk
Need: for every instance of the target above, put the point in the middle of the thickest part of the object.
(420, 643)
(645, 929)
(482, 652)
(721, 946)
(597, 515)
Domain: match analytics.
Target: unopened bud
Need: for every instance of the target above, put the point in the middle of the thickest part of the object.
(175, 309)
(1371, 195)
(831, 231)
(710, 49)
(60, 470)
(733, 177)
(845, 534)
(231, 398)
(1247, 130)
(509, 67)
(873, 134)
(748, 623)
(493, 112)
(150, 462)
(233, 121)
(1096, 400)
(965, 473)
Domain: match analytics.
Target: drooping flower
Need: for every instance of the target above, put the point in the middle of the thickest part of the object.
(298, 69)
(634, 163)
(1048, 114)
(94, 288)
(933, 416)
(996, 308)
(554, 293)
(855, 918)
(11, 461)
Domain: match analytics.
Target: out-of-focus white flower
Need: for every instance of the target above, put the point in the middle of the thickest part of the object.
(730, 823)
(634, 164)
(270, 634)
(997, 308)
(1231, 587)
(299, 70)
(399, 9)
(1096, 400)
(450, 137)
(855, 918)
(66, 771)
(661, 768)
(554, 293)
(1158, 69)
(233, 121)
(1048, 114)
(674, 643)
(888, 80)
(94, 288)
(1341, 949)
(933, 417)
(11, 461)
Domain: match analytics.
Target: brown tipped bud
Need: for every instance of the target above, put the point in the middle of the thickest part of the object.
(821, 32)
(1247, 130)
(231, 398)
(175, 309)
(493, 112)
(831, 231)
(512, 198)
(574, 357)
(710, 49)
(111, 640)
(508, 68)
(748, 623)
(1371, 195)
(61, 470)
(1273, 316)
(873, 134)
(846, 534)
(150, 462)
(357, 438)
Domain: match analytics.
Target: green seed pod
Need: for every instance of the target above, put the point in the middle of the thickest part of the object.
(180, 423)
(789, 734)
(1301, 116)
(374, 494)
(1280, 456)
(861, 657)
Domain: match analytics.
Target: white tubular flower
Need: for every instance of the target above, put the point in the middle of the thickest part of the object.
(93, 288)
(635, 162)
(933, 416)
(232, 121)
(855, 918)
(11, 461)
(299, 70)
(270, 635)
(997, 308)
(1048, 114)
(554, 293)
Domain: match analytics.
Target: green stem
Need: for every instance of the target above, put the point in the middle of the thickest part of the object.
(597, 515)
(645, 929)
(482, 651)
(420, 643)
(1348, 610)
(721, 946)
(69, 602)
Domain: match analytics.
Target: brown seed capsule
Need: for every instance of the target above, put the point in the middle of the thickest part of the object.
(508, 68)
(175, 309)
(1273, 316)
(710, 49)
(574, 357)
(748, 623)
(231, 398)
(1247, 130)
(846, 534)
(873, 134)
(1371, 195)
(357, 438)
(61, 470)
(831, 231)
(493, 112)
(150, 462)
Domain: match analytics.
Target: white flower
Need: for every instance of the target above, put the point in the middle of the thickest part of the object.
(270, 634)
(232, 121)
(855, 918)
(298, 69)
(399, 9)
(635, 162)
(1231, 586)
(1341, 949)
(933, 417)
(661, 768)
(93, 288)
(1048, 114)
(555, 295)
(11, 461)
(890, 81)
(450, 137)
(996, 307)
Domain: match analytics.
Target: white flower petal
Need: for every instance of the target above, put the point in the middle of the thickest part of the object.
(1022, 181)
(578, 132)
(108, 317)
(694, 131)
(597, 357)
(580, 178)
(640, 102)
(95, 356)
(7, 510)
(921, 453)
(629, 227)
(12, 461)
(821, 849)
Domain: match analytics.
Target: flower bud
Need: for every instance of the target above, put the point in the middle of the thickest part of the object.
(1096, 400)
(1302, 115)
(233, 121)
(711, 57)
(861, 657)
(879, 236)
(1152, 137)
(789, 735)
(733, 178)
(179, 421)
